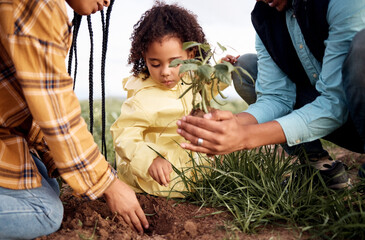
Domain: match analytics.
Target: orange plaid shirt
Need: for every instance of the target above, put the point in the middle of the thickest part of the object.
(39, 111)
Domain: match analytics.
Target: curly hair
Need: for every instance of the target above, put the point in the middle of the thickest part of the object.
(160, 21)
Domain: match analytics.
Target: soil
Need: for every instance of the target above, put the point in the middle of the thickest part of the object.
(169, 219)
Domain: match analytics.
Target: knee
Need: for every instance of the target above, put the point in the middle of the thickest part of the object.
(30, 219)
(249, 63)
(52, 218)
(55, 216)
(358, 43)
(48, 222)
(356, 53)
(245, 85)
(353, 67)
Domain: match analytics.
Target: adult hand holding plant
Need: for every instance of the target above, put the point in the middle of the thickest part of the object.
(219, 132)
(223, 132)
(206, 79)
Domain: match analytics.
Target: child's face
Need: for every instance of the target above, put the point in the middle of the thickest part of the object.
(158, 57)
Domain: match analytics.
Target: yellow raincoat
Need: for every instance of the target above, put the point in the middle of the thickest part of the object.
(148, 118)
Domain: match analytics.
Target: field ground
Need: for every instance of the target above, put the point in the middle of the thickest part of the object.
(170, 219)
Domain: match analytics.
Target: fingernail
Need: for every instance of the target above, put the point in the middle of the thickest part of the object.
(184, 118)
(178, 122)
(208, 116)
(178, 130)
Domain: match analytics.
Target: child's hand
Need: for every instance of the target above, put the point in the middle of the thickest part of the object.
(160, 171)
(231, 59)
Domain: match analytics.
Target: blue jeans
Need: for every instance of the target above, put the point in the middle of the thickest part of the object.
(30, 213)
(352, 134)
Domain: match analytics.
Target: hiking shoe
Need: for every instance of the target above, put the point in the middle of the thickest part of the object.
(333, 172)
(335, 175)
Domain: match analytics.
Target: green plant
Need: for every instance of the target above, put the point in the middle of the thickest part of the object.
(265, 187)
(250, 184)
(205, 78)
(112, 113)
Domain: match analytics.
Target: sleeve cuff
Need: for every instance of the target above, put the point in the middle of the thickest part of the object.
(295, 129)
(99, 188)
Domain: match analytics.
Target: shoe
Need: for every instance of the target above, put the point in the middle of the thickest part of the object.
(333, 172)
(335, 175)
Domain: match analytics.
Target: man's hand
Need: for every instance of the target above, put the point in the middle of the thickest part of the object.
(121, 199)
(160, 170)
(219, 130)
(222, 132)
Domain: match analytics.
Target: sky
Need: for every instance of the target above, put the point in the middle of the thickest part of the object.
(227, 22)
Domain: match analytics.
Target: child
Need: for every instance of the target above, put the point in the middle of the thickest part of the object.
(148, 116)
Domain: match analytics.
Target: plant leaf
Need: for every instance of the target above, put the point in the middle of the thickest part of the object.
(245, 72)
(230, 67)
(223, 48)
(187, 45)
(223, 72)
(188, 67)
(205, 47)
(176, 62)
(205, 72)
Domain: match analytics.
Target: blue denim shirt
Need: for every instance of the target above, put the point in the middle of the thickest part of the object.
(276, 93)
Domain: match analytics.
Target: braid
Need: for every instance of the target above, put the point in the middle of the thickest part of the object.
(70, 54)
(103, 59)
(76, 22)
(91, 70)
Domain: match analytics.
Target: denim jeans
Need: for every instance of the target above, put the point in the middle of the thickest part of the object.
(352, 134)
(30, 213)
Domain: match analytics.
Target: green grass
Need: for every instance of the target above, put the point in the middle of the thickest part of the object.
(262, 186)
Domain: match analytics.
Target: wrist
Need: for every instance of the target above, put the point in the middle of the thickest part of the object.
(109, 190)
(264, 134)
(248, 136)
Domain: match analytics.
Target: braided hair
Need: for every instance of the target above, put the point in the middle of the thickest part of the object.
(160, 21)
(76, 22)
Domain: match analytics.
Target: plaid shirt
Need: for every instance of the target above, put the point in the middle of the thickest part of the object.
(39, 111)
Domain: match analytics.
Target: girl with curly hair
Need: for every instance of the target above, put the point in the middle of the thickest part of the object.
(147, 123)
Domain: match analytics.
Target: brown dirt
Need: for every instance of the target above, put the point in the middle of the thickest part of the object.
(168, 219)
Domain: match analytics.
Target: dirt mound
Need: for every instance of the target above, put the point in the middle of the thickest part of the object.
(168, 219)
